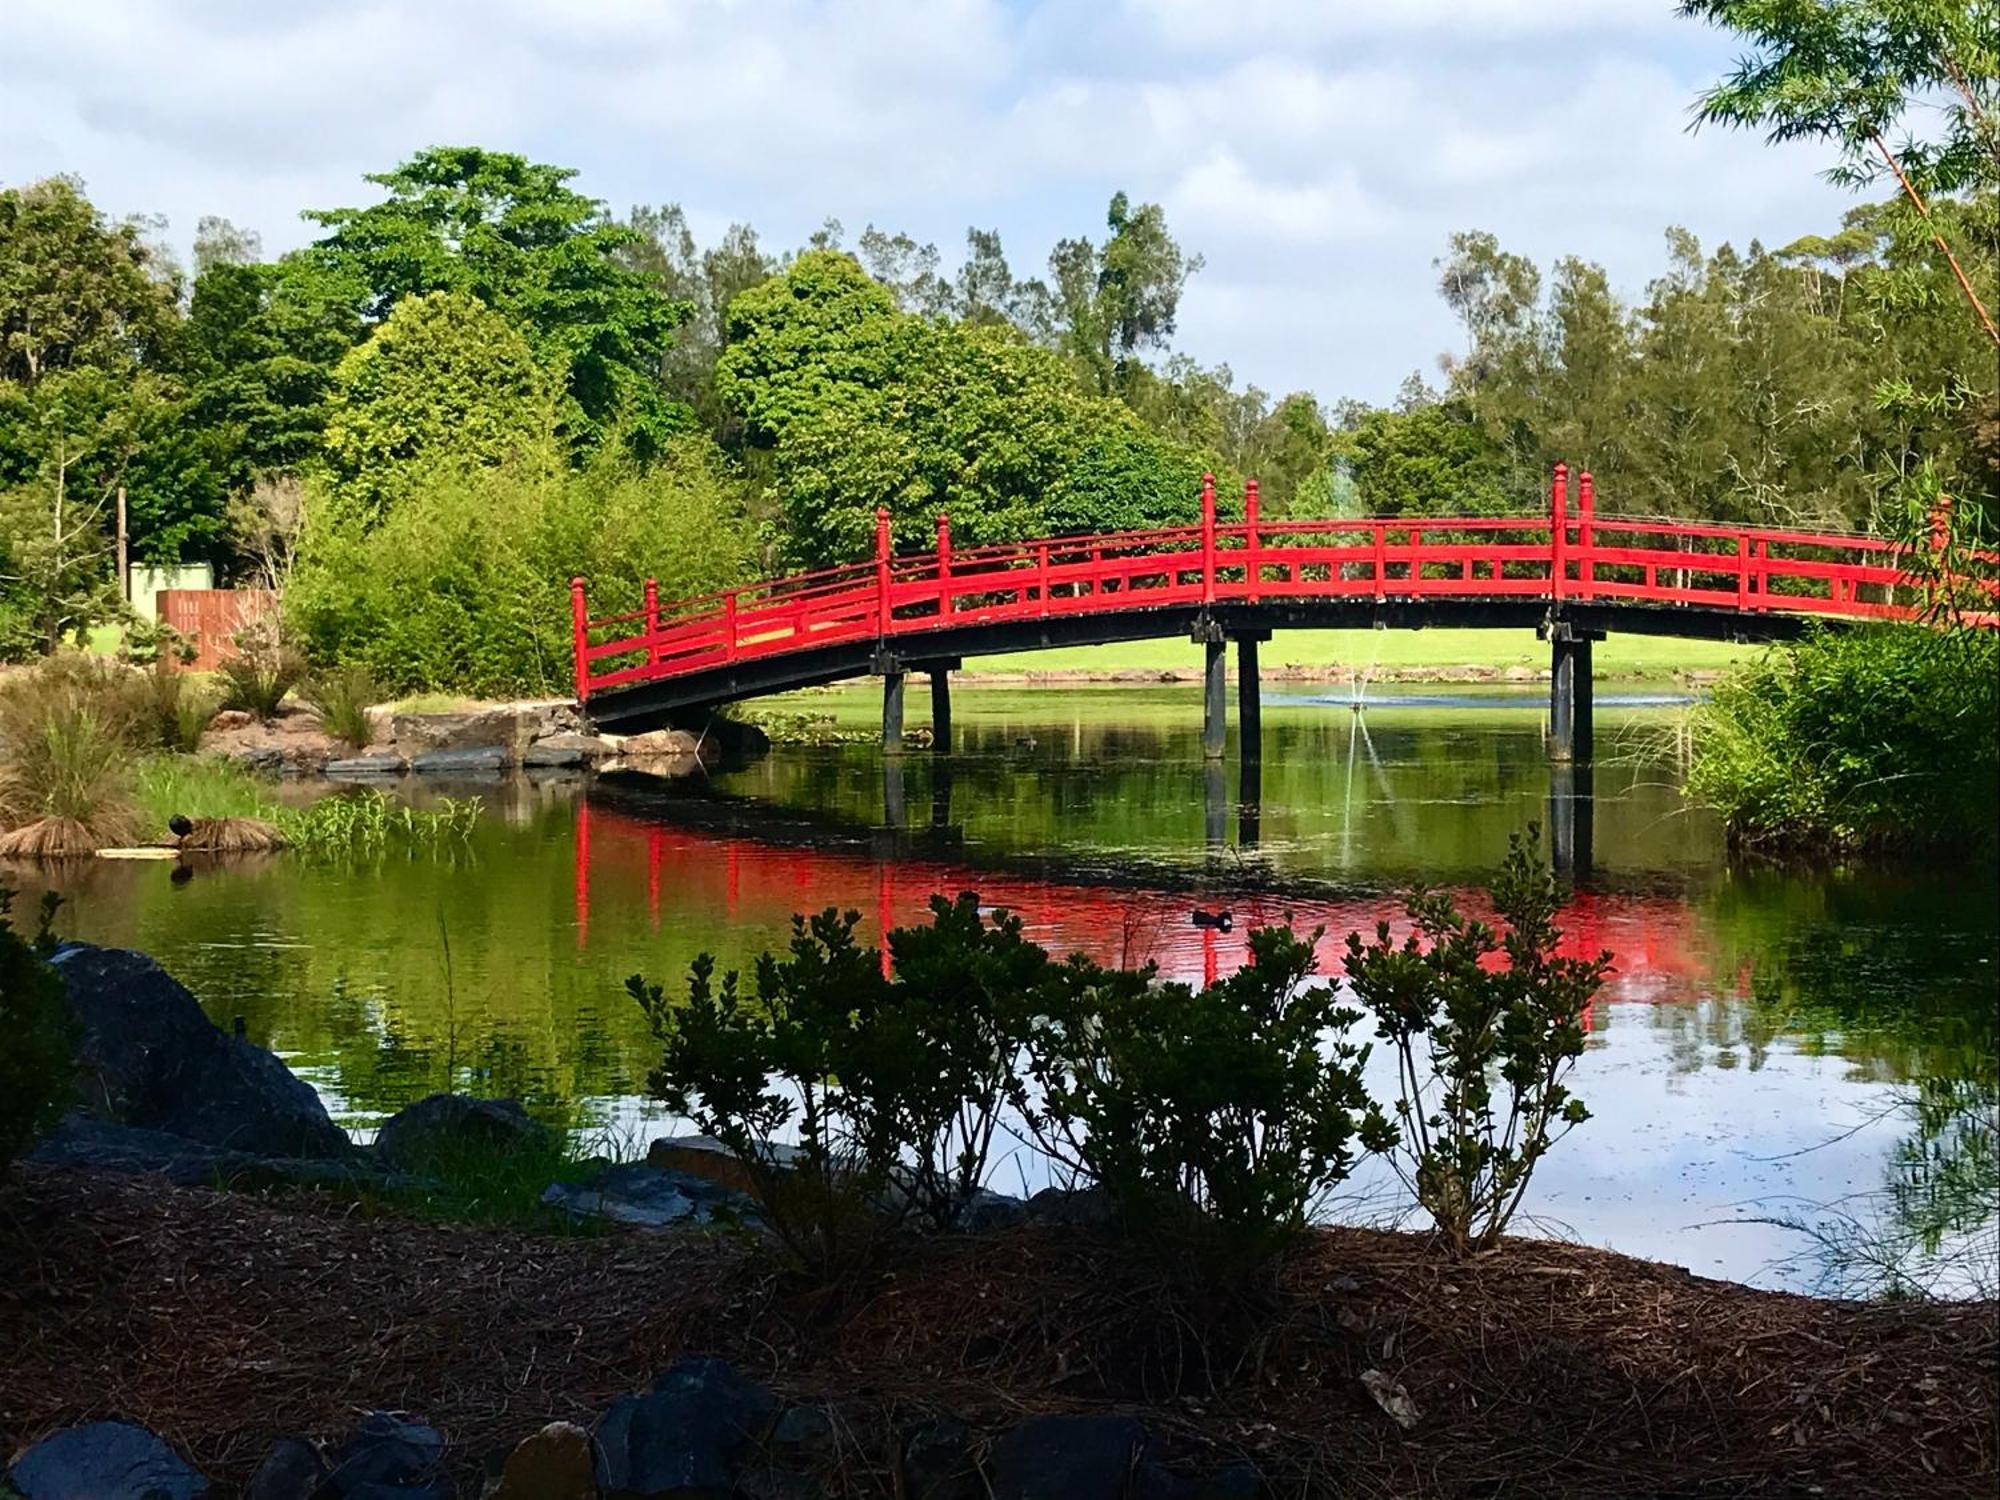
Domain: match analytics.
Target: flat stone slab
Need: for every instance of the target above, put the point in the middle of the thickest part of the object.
(459, 762)
(366, 765)
(638, 1196)
(568, 750)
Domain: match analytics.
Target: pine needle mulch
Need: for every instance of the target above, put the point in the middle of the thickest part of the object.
(224, 1321)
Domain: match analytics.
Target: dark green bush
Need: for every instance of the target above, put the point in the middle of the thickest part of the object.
(1214, 1118)
(744, 1068)
(36, 1063)
(1481, 1049)
(1878, 737)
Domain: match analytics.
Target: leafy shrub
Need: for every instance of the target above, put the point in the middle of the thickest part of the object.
(1214, 1118)
(343, 696)
(1876, 737)
(1481, 1051)
(67, 733)
(264, 669)
(745, 1068)
(36, 1063)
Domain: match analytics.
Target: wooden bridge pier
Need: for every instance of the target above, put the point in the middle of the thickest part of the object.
(1571, 728)
(895, 672)
(1572, 818)
(1214, 641)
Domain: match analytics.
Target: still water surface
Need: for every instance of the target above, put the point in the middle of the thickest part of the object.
(1758, 1054)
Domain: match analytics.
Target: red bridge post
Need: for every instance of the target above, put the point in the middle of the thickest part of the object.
(1251, 567)
(1586, 567)
(944, 566)
(579, 624)
(881, 570)
(1558, 503)
(652, 622)
(1208, 539)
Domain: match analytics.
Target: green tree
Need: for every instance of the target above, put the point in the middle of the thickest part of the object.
(663, 250)
(76, 291)
(1112, 303)
(515, 235)
(1430, 460)
(863, 405)
(444, 382)
(1854, 73)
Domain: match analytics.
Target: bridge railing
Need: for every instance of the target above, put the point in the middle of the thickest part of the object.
(1560, 555)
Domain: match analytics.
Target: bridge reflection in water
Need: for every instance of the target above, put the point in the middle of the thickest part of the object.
(753, 863)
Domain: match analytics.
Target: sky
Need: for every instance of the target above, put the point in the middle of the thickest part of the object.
(1316, 154)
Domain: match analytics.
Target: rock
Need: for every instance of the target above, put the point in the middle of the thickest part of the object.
(1084, 1208)
(659, 744)
(362, 766)
(987, 1212)
(232, 718)
(103, 1146)
(568, 750)
(151, 1058)
(803, 1437)
(705, 1157)
(261, 758)
(104, 1461)
(446, 1124)
(292, 1470)
(507, 727)
(642, 1196)
(554, 1464)
(688, 1436)
(384, 1450)
(1068, 1458)
(939, 1463)
(459, 762)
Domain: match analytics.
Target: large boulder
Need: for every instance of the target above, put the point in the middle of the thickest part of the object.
(556, 1463)
(1068, 1458)
(151, 1058)
(507, 727)
(568, 750)
(104, 1461)
(450, 1125)
(705, 1157)
(688, 1436)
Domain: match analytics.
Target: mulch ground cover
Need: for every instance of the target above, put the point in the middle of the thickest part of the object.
(224, 1321)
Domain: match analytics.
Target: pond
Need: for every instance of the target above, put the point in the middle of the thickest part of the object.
(1775, 1049)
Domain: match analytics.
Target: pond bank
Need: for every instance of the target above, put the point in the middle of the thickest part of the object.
(227, 1322)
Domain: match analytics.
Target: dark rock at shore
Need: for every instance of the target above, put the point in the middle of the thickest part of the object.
(1068, 1458)
(81, 1141)
(104, 1461)
(365, 767)
(1086, 1208)
(482, 759)
(940, 1463)
(292, 1470)
(567, 750)
(639, 1196)
(150, 1058)
(386, 1454)
(444, 1124)
(987, 1212)
(690, 1435)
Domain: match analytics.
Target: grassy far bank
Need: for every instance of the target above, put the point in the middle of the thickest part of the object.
(1384, 655)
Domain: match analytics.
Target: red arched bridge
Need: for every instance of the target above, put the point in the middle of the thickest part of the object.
(1568, 573)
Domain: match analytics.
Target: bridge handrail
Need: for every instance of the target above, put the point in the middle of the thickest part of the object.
(1563, 555)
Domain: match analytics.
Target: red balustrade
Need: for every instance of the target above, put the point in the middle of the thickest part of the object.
(1557, 556)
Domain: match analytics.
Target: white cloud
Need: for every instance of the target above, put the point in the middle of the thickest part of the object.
(1317, 154)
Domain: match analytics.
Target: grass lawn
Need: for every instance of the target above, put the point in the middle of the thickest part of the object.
(1386, 652)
